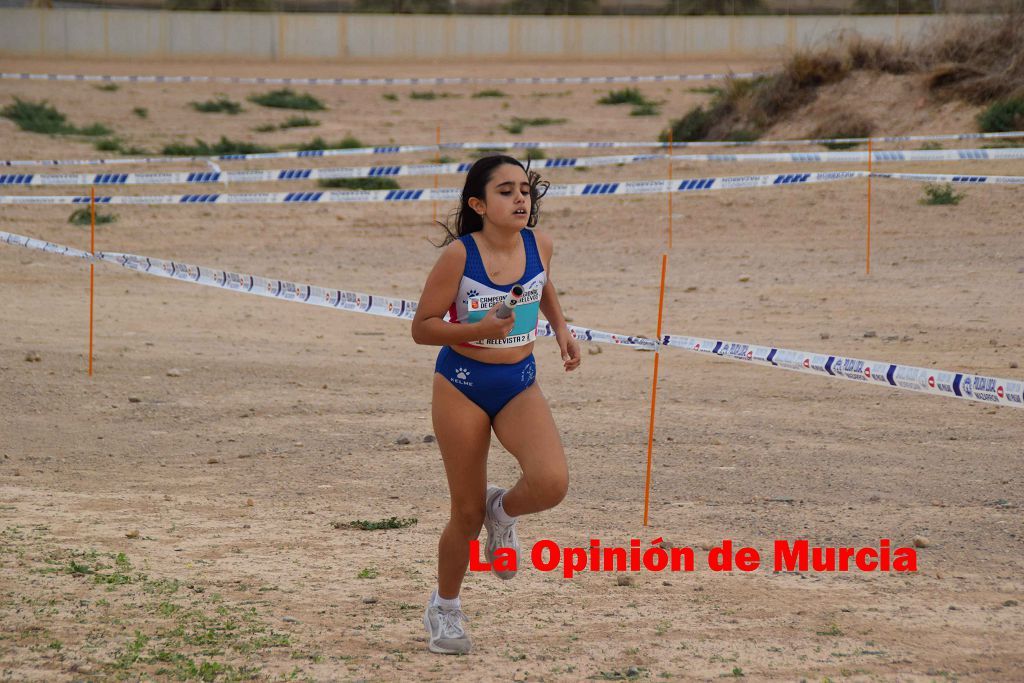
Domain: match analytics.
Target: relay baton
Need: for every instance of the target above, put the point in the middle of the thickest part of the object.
(506, 306)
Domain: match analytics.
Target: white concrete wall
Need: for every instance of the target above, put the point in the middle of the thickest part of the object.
(144, 34)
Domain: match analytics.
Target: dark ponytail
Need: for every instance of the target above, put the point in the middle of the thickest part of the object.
(464, 220)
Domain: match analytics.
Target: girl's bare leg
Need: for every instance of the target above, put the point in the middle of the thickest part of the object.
(463, 433)
(527, 430)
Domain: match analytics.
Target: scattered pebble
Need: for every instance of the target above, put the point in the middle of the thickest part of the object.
(593, 350)
(624, 580)
(174, 372)
(993, 342)
(429, 438)
(666, 583)
(369, 600)
(134, 399)
(744, 278)
(691, 288)
(632, 672)
(824, 335)
(290, 620)
(134, 533)
(870, 333)
(1010, 603)
(249, 502)
(907, 338)
(1013, 364)
(167, 497)
(33, 357)
(874, 499)
(892, 337)
(402, 440)
(360, 349)
(921, 542)
(297, 444)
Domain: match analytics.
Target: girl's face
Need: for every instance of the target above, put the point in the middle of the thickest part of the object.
(507, 203)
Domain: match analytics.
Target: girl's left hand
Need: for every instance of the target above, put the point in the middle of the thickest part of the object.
(570, 352)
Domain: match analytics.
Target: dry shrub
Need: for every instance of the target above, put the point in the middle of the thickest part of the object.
(879, 55)
(844, 125)
(977, 61)
(808, 69)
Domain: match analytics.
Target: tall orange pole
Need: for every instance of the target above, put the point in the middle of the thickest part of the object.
(92, 266)
(670, 188)
(654, 391)
(437, 158)
(867, 265)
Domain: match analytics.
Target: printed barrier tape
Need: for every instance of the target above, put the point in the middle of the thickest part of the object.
(191, 177)
(242, 80)
(633, 187)
(995, 390)
(495, 146)
(1005, 392)
(452, 193)
(963, 178)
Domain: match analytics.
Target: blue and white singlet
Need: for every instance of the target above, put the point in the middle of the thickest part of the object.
(477, 294)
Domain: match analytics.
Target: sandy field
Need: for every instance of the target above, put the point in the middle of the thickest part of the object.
(185, 513)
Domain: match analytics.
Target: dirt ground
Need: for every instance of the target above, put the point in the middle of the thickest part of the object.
(174, 516)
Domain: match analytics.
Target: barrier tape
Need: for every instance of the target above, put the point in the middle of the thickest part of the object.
(190, 177)
(217, 176)
(1004, 392)
(451, 193)
(456, 80)
(633, 187)
(497, 146)
(968, 179)
(995, 390)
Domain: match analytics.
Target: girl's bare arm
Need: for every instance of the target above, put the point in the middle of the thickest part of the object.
(429, 326)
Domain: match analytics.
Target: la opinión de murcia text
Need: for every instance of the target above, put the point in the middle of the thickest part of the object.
(797, 555)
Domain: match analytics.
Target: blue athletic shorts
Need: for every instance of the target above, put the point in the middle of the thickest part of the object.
(489, 385)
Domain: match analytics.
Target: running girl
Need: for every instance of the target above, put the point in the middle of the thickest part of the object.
(485, 376)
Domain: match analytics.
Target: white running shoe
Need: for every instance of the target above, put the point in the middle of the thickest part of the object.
(499, 535)
(444, 626)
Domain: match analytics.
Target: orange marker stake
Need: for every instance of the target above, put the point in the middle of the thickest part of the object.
(92, 266)
(867, 265)
(654, 390)
(438, 159)
(670, 188)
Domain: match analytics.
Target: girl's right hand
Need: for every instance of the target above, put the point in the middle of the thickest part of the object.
(493, 327)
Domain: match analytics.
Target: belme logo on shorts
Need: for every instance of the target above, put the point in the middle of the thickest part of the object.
(807, 362)
(461, 377)
(931, 382)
